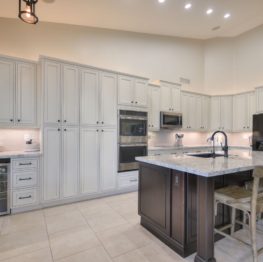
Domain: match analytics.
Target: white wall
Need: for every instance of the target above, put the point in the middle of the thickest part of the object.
(156, 57)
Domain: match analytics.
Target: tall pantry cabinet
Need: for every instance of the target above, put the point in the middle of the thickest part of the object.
(80, 131)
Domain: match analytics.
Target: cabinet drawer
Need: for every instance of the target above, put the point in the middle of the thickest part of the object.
(26, 179)
(24, 164)
(128, 180)
(25, 197)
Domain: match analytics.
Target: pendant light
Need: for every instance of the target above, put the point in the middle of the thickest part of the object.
(27, 11)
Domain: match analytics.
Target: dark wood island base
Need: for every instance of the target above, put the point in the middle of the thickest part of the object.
(178, 208)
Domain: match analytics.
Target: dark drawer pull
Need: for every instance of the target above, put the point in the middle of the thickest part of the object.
(25, 164)
(25, 179)
(27, 197)
(133, 180)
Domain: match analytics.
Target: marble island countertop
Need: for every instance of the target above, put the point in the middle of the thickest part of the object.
(164, 148)
(17, 154)
(239, 160)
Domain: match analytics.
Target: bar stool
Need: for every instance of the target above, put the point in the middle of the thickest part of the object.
(249, 202)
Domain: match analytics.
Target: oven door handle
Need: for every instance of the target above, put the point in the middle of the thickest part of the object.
(132, 145)
(133, 118)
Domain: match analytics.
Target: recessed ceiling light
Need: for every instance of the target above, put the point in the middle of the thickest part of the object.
(188, 6)
(227, 15)
(161, 1)
(209, 11)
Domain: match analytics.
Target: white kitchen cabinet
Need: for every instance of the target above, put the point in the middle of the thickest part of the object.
(259, 100)
(154, 108)
(18, 93)
(205, 113)
(89, 160)
(70, 83)
(52, 164)
(132, 91)
(70, 172)
(52, 92)
(98, 160)
(221, 113)
(170, 97)
(98, 98)
(243, 110)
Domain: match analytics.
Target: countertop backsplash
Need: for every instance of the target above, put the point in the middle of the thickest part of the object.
(14, 139)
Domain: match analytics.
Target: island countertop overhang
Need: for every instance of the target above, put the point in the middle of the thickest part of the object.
(238, 161)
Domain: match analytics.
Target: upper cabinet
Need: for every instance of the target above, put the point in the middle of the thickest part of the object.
(132, 91)
(170, 97)
(221, 113)
(154, 108)
(244, 106)
(259, 100)
(18, 88)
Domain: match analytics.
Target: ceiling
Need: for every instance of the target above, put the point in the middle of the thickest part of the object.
(149, 16)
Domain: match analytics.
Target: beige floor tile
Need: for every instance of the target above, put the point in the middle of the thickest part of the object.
(70, 242)
(53, 211)
(118, 198)
(64, 221)
(124, 238)
(103, 219)
(23, 222)
(93, 207)
(97, 254)
(22, 242)
(149, 253)
(42, 255)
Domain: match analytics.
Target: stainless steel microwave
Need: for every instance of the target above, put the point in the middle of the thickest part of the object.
(171, 120)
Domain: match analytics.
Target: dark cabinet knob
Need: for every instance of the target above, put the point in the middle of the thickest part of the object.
(58, 129)
(65, 129)
(97, 122)
(11, 120)
(65, 121)
(136, 102)
(102, 122)
(132, 102)
(58, 121)
(18, 120)
(97, 130)
(102, 130)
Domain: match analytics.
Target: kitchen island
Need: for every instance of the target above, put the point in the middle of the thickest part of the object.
(176, 197)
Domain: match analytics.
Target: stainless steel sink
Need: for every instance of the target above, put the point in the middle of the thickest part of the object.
(206, 155)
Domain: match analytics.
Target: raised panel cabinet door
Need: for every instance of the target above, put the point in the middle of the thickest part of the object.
(26, 94)
(227, 113)
(205, 112)
(108, 159)
(70, 83)
(7, 84)
(240, 108)
(176, 99)
(259, 99)
(125, 90)
(89, 160)
(89, 93)
(52, 164)
(166, 100)
(215, 116)
(52, 92)
(197, 114)
(185, 111)
(155, 108)
(108, 101)
(251, 110)
(141, 92)
(70, 174)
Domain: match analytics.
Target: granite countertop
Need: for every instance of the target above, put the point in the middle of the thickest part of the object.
(17, 154)
(239, 160)
(153, 148)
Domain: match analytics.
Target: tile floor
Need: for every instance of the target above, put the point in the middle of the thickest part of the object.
(102, 230)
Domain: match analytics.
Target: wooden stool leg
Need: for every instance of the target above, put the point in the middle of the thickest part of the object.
(253, 233)
(233, 220)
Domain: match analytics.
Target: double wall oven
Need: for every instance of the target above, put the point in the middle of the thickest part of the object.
(132, 138)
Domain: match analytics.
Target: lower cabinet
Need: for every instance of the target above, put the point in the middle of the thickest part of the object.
(98, 160)
(61, 163)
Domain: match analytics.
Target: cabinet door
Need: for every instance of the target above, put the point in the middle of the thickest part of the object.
(205, 112)
(52, 164)
(215, 122)
(197, 114)
(251, 110)
(89, 112)
(259, 99)
(176, 99)
(52, 93)
(166, 100)
(140, 92)
(227, 113)
(155, 108)
(108, 159)
(189, 111)
(108, 101)
(70, 76)
(185, 109)
(26, 95)
(89, 160)
(70, 174)
(126, 90)
(240, 108)
(7, 91)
